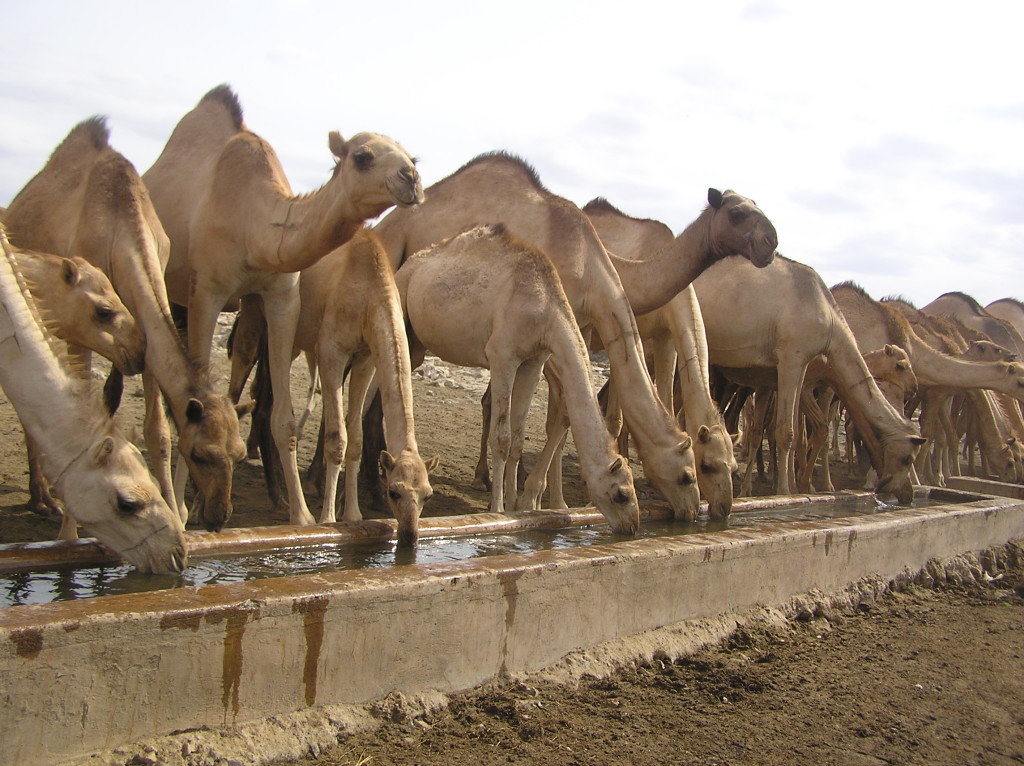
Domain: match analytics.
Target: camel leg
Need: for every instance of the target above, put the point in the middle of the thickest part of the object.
(157, 433)
(481, 476)
(40, 500)
(523, 388)
(557, 428)
(791, 380)
(332, 372)
(502, 381)
(359, 380)
(282, 311)
(544, 469)
(753, 435)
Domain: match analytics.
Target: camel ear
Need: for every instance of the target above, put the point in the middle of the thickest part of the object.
(337, 144)
(194, 411)
(102, 451)
(1011, 441)
(69, 272)
(616, 465)
(703, 434)
(685, 444)
(890, 350)
(387, 461)
(432, 463)
(901, 366)
(714, 198)
(244, 408)
(735, 438)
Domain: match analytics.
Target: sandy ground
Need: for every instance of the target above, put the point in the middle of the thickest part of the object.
(929, 675)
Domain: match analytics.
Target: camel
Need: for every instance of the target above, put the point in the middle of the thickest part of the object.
(893, 374)
(1009, 310)
(966, 309)
(351, 317)
(789, 319)
(80, 307)
(99, 474)
(675, 334)
(237, 230)
(89, 201)
(487, 299)
(877, 322)
(499, 187)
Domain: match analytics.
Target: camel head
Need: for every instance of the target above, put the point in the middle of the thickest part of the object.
(210, 442)
(891, 366)
(673, 472)
(738, 227)
(613, 494)
(898, 455)
(408, 488)
(376, 173)
(987, 351)
(85, 310)
(117, 501)
(716, 463)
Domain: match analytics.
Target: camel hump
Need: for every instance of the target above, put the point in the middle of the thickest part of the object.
(971, 302)
(601, 205)
(227, 98)
(94, 130)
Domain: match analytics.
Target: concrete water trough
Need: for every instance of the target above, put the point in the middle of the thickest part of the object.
(94, 674)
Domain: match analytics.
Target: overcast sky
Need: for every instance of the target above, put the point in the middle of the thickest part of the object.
(882, 138)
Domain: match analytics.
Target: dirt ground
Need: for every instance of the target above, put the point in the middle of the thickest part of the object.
(927, 675)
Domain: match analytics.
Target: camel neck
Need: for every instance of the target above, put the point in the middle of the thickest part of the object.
(652, 282)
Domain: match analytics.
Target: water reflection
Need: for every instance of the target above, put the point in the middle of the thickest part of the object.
(40, 587)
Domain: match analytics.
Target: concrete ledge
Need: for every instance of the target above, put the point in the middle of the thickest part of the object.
(92, 675)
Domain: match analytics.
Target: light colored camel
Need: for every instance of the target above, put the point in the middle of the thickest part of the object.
(99, 474)
(89, 201)
(893, 374)
(788, 319)
(79, 306)
(968, 311)
(1009, 310)
(486, 299)
(352, 315)
(875, 323)
(675, 334)
(502, 188)
(237, 230)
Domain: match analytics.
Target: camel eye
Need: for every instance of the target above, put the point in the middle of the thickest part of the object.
(621, 496)
(707, 468)
(363, 159)
(394, 494)
(686, 479)
(737, 214)
(105, 314)
(127, 506)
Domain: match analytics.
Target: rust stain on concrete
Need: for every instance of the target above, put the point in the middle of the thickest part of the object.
(312, 611)
(28, 642)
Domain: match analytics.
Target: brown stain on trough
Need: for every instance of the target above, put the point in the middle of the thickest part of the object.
(510, 592)
(312, 611)
(849, 542)
(28, 642)
(828, 542)
(236, 618)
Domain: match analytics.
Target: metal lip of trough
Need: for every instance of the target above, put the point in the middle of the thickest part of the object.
(240, 653)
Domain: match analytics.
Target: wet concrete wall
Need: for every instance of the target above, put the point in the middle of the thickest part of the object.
(90, 675)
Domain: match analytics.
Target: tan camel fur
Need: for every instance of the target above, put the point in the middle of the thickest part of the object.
(352, 315)
(799, 323)
(675, 335)
(1009, 310)
(890, 367)
(877, 322)
(237, 230)
(968, 311)
(486, 299)
(89, 201)
(730, 225)
(79, 306)
(501, 188)
(99, 474)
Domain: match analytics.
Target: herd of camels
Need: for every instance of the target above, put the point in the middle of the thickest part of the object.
(486, 268)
